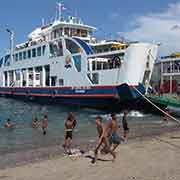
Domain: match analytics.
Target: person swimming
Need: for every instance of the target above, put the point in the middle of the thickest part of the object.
(8, 124)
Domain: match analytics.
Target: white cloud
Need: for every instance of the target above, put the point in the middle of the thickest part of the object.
(163, 27)
(114, 15)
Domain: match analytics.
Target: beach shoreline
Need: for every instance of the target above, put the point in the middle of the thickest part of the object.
(36, 155)
(150, 158)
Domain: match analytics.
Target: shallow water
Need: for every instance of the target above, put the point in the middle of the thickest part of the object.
(23, 137)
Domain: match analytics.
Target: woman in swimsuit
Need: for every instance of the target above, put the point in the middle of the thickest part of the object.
(69, 127)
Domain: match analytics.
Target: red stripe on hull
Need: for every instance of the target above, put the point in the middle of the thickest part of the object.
(67, 96)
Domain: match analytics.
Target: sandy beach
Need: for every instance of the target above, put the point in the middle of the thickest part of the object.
(150, 158)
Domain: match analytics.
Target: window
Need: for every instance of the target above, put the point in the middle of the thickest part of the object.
(1, 61)
(33, 52)
(53, 80)
(7, 60)
(20, 56)
(24, 55)
(39, 51)
(77, 62)
(43, 49)
(66, 31)
(56, 48)
(60, 48)
(72, 46)
(29, 54)
(61, 82)
(16, 57)
(94, 78)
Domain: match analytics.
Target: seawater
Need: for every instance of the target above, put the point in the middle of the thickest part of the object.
(24, 137)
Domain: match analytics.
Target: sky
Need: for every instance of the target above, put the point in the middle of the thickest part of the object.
(156, 21)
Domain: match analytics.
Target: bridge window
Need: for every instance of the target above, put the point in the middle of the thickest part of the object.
(20, 56)
(67, 31)
(39, 51)
(29, 54)
(33, 52)
(24, 55)
(16, 57)
(1, 62)
(43, 49)
(72, 46)
(7, 60)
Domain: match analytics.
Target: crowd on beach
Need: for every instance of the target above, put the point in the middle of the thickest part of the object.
(109, 133)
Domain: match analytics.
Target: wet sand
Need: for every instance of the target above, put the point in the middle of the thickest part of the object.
(149, 158)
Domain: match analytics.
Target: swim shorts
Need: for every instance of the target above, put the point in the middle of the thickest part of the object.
(68, 134)
(114, 139)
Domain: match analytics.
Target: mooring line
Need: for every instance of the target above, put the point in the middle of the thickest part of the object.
(170, 116)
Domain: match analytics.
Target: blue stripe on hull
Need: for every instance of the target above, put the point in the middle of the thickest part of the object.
(100, 96)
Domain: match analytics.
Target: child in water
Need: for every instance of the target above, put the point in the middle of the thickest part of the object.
(45, 124)
(35, 123)
(8, 124)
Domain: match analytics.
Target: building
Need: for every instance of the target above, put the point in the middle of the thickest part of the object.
(166, 75)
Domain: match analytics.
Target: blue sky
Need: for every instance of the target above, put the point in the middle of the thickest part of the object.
(143, 20)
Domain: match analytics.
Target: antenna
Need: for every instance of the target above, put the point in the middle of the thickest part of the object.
(60, 9)
(11, 33)
(43, 22)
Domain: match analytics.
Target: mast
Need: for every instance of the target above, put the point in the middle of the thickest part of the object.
(60, 9)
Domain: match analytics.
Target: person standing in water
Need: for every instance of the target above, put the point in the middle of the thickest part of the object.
(125, 126)
(45, 124)
(70, 124)
(103, 139)
(35, 123)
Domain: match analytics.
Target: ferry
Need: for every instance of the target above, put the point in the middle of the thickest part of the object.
(62, 62)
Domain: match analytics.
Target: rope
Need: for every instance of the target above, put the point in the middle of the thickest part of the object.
(156, 106)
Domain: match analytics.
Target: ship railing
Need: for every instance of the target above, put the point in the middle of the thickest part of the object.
(107, 53)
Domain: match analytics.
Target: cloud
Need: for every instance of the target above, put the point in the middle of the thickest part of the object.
(162, 27)
(114, 15)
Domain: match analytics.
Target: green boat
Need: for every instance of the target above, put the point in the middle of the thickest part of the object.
(165, 101)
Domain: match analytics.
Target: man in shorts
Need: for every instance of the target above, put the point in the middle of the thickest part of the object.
(69, 127)
(103, 139)
(112, 129)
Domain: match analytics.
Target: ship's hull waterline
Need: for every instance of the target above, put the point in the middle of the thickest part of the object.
(95, 96)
